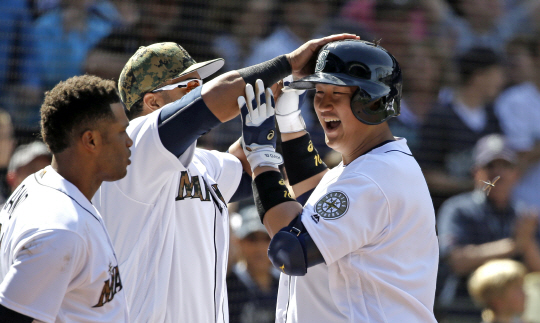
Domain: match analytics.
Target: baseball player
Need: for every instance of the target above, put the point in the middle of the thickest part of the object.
(57, 263)
(168, 218)
(363, 248)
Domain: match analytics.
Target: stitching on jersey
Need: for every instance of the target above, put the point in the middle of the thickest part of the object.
(92, 214)
(288, 298)
(399, 151)
(215, 266)
(115, 183)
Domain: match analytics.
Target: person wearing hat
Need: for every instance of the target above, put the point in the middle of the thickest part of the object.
(482, 225)
(27, 159)
(252, 283)
(168, 217)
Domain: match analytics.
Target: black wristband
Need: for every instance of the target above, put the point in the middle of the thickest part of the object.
(269, 190)
(269, 72)
(302, 160)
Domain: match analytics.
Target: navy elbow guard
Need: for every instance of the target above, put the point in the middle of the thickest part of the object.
(292, 250)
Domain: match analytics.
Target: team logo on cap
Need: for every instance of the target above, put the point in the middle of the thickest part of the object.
(333, 205)
(321, 61)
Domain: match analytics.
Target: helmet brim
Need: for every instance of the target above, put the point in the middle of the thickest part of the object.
(373, 89)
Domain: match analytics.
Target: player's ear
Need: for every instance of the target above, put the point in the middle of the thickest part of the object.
(150, 102)
(91, 139)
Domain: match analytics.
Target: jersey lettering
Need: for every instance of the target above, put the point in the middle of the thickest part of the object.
(17, 198)
(110, 287)
(191, 188)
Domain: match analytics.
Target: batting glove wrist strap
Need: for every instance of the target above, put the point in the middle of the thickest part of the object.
(292, 122)
(269, 190)
(264, 157)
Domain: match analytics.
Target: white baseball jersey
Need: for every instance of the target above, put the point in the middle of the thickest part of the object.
(373, 222)
(169, 225)
(57, 262)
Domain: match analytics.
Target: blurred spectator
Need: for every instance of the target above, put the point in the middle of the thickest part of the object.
(478, 226)
(451, 130)
(485, 23)
(422, 79)
(497, 286)
(15, 47)
(250, 22)
(297, 22)
(7, 143)
(518, 109)
(62, 38)
(252, 284)
(27, 159)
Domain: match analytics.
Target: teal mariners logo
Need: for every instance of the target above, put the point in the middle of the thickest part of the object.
(333, 205)
(321, 61)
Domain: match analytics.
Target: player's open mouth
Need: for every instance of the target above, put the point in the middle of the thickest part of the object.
(331, 123)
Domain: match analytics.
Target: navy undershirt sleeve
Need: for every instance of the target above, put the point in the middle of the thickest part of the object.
(8, 315)
(244, 190)
(182, 122)
(302, 199)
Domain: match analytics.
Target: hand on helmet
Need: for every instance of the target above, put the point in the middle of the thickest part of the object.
(258, 126)
(288, 115)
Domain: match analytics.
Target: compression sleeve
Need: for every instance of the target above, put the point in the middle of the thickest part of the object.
(244, 190)
(183, 121)
(8, 315)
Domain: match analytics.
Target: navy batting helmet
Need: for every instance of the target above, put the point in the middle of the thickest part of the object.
(366, 65)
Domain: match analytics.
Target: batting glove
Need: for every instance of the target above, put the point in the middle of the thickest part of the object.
(258, 126)
(288, 116)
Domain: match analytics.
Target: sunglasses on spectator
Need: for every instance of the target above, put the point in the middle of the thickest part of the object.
(190, 84)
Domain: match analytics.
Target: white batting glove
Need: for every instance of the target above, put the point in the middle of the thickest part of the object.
(258, 126)
(288, 115)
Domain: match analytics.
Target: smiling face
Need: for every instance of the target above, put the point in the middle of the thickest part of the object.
(341, 128)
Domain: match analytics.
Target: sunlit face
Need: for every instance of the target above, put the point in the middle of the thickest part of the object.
(333, 107)
(115, 149)
(168, 96)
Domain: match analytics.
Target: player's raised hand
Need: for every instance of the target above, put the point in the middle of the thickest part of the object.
(288, 116)
(258, 126)
(303, 58)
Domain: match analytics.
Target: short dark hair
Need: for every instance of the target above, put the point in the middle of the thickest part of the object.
(74, 106)
(475, 60)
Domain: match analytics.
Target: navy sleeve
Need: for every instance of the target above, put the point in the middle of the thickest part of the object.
(302, 199)
(10, 316)
(244, 190)
(182, 122)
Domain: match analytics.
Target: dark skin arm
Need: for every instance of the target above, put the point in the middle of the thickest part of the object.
(220, 95)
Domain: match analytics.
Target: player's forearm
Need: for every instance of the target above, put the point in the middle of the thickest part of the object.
(465, 259)
(220, 94)
(303, 165)
(280, 215)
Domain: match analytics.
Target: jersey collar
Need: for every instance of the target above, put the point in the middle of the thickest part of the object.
(49, 177)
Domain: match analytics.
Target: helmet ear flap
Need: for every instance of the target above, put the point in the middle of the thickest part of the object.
(372, 114)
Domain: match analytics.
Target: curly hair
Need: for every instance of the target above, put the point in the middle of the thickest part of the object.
(74, 106)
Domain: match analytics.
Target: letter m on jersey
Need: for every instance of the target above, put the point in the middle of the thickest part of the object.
(191, 188)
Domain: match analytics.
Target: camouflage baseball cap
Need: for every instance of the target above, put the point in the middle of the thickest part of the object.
(152, 65)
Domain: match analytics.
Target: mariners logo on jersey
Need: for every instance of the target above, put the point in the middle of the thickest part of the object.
(333, 205)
